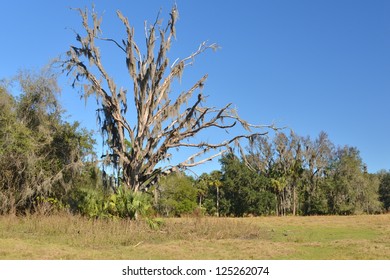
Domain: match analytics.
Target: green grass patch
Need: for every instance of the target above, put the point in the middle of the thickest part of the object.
(73, 237)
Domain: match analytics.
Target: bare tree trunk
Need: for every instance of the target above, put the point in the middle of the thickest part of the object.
(294, 200)
(217, 201)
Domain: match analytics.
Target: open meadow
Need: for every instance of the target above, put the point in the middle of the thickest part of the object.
(316, 237)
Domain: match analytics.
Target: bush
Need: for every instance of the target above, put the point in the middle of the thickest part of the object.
(122, 204)
(178, 195)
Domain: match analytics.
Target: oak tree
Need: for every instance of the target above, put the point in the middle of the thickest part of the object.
(164, 120)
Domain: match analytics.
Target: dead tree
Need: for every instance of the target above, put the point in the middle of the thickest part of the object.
(162, 124)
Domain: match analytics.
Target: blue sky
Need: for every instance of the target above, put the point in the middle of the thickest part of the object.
(310, 65)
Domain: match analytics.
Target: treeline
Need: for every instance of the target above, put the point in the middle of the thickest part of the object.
(293, 175)
(48, 164)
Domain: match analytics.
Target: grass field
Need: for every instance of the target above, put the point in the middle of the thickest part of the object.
(319, 237)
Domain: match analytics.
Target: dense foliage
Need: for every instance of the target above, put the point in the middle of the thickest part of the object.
(291, 175)
(41, 155)
(176, 195)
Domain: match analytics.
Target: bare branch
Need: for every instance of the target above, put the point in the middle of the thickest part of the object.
(115, 42)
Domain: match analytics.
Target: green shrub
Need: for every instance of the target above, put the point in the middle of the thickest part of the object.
(122, 204)
(128, 204)
(178, 195)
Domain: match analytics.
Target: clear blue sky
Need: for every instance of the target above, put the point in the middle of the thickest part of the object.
(309, 65)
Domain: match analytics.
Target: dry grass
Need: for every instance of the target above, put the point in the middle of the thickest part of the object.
(73, 237)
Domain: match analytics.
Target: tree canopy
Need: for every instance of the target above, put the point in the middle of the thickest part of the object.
(41, 155)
